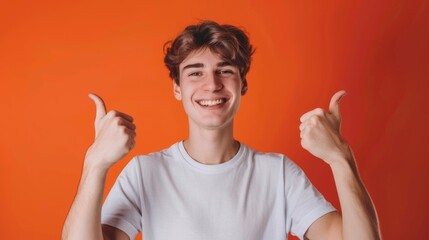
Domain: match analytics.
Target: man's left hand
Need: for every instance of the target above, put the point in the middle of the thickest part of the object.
(320, 132)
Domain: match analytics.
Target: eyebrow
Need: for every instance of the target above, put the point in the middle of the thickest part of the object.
(223, 64)
(201, 65)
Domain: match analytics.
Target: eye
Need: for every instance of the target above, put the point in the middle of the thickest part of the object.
(225, 72)
(195, 74)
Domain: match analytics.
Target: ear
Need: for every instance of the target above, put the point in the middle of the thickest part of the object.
(177, 91)
(243, 90)
(243, 87)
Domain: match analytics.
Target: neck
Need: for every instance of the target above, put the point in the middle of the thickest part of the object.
(211, 146)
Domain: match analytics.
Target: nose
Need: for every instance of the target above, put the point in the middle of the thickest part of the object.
(213, 83)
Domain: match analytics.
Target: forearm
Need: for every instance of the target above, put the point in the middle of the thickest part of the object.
(114, 138)
(84, 218)
(358, 213)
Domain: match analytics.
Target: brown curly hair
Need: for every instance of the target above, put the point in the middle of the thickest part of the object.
(230, 42)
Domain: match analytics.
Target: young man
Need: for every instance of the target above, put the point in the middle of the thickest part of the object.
(211, 186)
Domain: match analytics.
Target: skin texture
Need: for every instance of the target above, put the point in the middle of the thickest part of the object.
(205, 77)
(210, 138)
(320, 135)
(114, 138)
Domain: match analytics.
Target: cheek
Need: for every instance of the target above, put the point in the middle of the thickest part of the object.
(235, 85)
(188, 94)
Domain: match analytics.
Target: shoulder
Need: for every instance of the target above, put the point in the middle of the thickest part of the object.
(274, 159)
(154, 159)
(161, 155)
(268, 157)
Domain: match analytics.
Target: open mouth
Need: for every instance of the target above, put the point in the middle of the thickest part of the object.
(212, 102)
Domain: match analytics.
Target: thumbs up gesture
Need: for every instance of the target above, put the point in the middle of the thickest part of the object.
(114, 136)
(320, 132)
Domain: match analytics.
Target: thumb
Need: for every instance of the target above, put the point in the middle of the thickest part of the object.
(334, 105)
(99, 105)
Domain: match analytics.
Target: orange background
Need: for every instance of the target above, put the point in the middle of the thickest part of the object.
(53, 53)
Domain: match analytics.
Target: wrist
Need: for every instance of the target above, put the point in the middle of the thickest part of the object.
(341, 156)
(95, 163)
(343, 160)
(342, 164)
(345, 168)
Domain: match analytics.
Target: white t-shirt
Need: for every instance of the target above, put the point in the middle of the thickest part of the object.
(255, 196)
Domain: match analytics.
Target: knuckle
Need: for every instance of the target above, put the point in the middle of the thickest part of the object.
(314, 119)
(304, 143)
(115, 122)
(122, 129)
(304, 134)
(319, 111)
(112, 113)
(318, 118)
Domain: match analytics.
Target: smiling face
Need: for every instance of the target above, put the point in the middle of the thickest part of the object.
(210, 90)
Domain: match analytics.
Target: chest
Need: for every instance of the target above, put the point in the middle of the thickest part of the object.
(233, 205)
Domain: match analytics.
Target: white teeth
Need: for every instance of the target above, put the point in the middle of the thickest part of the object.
(211, 102)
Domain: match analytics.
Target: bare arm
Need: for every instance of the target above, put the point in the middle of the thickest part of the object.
(359, 216)
(115, 135)
(320, 135)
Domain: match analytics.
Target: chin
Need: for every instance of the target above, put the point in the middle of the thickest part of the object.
(214, 124)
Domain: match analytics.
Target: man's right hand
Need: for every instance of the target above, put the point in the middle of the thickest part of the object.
(114, 136)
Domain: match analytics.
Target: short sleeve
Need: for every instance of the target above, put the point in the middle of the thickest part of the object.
(122, 207)
(304, 203)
